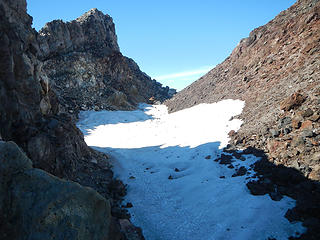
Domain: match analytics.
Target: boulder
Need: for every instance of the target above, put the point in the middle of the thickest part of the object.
(307, 113)
(37, 205)
(306, 125)
(294, 101)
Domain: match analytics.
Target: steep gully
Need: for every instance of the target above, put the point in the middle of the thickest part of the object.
(37, 112)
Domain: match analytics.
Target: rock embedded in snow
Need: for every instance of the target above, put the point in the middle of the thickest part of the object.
(225, 159)
(240, 172)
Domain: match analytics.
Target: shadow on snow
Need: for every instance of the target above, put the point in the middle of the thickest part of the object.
(276, 181)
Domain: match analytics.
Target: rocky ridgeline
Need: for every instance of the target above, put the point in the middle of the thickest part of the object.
(32, 116)
(278, 60)
(276, 71)
(83, 60)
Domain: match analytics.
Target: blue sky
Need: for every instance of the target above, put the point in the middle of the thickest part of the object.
(174, 41)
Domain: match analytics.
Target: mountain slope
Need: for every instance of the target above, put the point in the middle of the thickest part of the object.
(276, 61)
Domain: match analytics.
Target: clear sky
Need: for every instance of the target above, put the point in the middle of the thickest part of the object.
(174, 41)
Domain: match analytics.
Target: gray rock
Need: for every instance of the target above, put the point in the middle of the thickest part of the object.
(307, 113)
(287, 130)
(37, 205)
(316, 157)
(307, 133)
(274, 133)
(297, 141)
(285, 122)
(93, 31)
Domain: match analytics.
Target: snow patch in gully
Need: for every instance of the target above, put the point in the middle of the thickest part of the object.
(177, 190)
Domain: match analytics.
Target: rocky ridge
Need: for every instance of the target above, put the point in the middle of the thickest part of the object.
(32, 116)
(83, 60)
(277, 62)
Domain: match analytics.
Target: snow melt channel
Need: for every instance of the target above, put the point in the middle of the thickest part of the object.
(177, 190)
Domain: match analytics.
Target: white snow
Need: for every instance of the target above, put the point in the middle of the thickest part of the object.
(149, 145)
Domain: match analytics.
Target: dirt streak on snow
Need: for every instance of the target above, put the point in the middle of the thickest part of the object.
(177, 194)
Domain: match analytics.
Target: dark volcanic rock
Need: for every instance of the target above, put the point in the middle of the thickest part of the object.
(83, 59)
(225, 159)
(240, 172)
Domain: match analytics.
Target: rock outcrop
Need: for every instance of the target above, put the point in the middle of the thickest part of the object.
(37, 205)
(29, 107)
(83, 60)
(31, 116)
(276, 71)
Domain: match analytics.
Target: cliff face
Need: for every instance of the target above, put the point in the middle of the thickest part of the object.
(93, 32)
(28, 104)
(276, 71)
(31, 116)
(83, 60)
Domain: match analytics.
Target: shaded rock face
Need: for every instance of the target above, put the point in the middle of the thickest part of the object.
(37, 205)
(29, 106)
(31, 116)
(83, 60)
(276, 71)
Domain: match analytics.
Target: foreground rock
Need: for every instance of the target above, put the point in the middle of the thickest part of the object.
(83, 59)
(37, 205)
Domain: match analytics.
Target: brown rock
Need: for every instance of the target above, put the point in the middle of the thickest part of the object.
(315, 173)
(274, 146)
(315, 142)
(294, 101)
(232, 133)
(315, 117)
(296, 123)
(39, 204)
(32, 115)
(306, 125)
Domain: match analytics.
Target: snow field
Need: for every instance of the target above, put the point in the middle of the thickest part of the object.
(177, 191)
